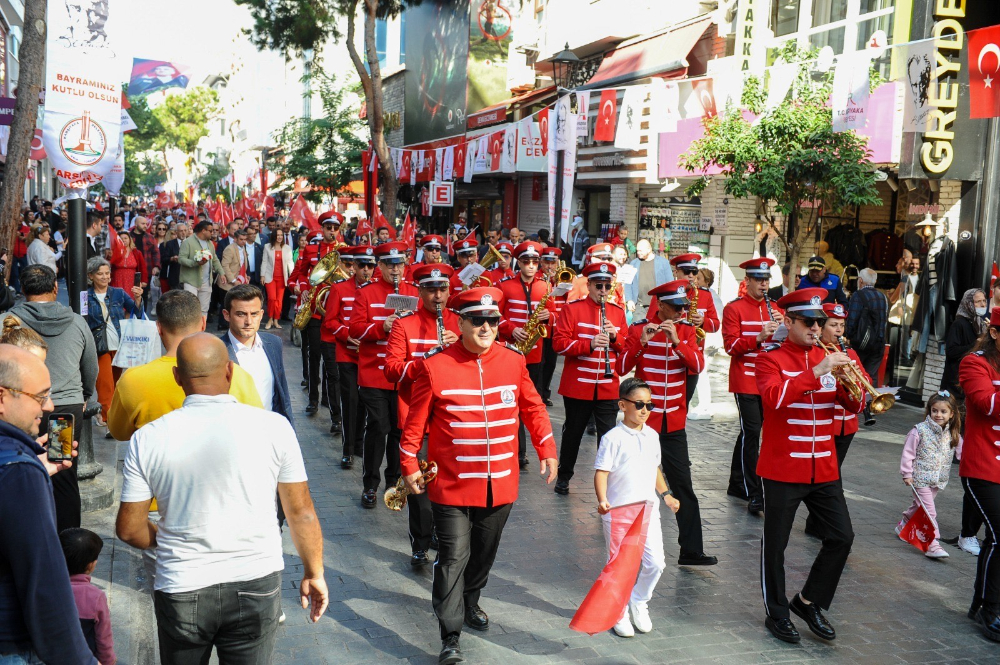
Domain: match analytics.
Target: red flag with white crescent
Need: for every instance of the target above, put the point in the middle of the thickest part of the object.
(984, 72)
(37, 147)
(607, 116)
(409, 234)
(496, 150)
(364, 228)
(460, 150)
(919, 531)
(405, 165)
(994, 274)
(300, 213)
(543, 129)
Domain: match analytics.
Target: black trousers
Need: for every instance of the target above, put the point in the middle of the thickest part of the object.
(972, 519)
(872, 360)
(578, 412)
(535, 372)
(65, 484)
(986, 496)
(692, 385)
(743, 480)
(310, 338)
(421, 522)
(677, 469)
(548, 367)
(304, 350)
(216, 305)
(331, 379)
(352, 410)
(826, 501)
(842, 443)
(381, 437)
(468, 539)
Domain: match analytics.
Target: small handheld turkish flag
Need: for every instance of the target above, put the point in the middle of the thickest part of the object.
(984, 72)
(607, 115)
(919, 531)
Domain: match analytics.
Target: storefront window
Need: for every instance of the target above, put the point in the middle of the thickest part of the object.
(843, 25)
(784, 17)
(832, 38)
(828, 11)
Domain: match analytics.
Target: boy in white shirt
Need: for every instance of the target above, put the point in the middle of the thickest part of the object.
(628, 471)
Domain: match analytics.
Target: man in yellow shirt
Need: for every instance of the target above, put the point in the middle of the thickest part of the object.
(145, 393)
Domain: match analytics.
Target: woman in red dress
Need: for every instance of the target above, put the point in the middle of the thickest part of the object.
(125, 266)
(275, 269)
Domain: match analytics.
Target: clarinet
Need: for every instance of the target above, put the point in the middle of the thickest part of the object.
(395, 284)
(607, 351)
(767, 301)
(440, 324)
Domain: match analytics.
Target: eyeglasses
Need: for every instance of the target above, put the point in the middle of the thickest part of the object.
(602, 286)
(810, 322)
(41, 398)
(479, 321)
(528, 262)
(640, 405)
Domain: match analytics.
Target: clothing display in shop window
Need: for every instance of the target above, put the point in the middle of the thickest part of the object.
(938, 300)
(914, 241)
(884, 250)
(847, 243)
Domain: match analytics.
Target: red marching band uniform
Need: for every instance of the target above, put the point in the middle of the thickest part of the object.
(551, 256)
(464, 247)
(521, 299)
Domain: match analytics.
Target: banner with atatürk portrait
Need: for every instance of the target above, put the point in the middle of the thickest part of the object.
(490, 35)
(82, 117)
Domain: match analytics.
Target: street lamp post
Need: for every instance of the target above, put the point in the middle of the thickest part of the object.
(562, 70)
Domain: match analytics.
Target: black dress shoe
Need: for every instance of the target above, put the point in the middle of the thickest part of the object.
(304, 383)
(814, 617)
(592, 429)
(523, 462)
(562, 487)
(476, 619)
(783, 629)
(312, 408)
(989, 622)
(434, 542)
(346, 462)
(419, 558)
(336, 427)
(701, 559)
(737, 495)
(450, 651)
(547, 401)
(756, 506)
(368, 499)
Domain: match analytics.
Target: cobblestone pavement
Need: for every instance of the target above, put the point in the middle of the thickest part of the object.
(893, 605)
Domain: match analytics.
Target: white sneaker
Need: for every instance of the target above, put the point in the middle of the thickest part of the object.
(970, 545)
(899, 526)
(935, 551)
(640, 617)
(624, 627)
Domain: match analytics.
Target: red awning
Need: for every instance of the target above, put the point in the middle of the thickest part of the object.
(523, 98)
(650, 55)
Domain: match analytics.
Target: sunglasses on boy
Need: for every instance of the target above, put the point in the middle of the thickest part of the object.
(640, 405)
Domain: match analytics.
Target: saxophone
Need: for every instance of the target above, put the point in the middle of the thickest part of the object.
(692, 311)
(533, 328)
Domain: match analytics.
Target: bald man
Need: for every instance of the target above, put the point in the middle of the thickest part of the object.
(235, 471)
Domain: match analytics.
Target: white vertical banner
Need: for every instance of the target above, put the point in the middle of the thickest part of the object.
(438, 164)
(565, 132)
(415, 158)
(851, 91)
(81, 129)
(582, 112)
(470, 160)
(664, 103)
(448, 170)
(782, 77)
(116, 176)
(527, 130)
(915, 66)
(567, 175)
(397, 159)
(629, 133)
(508, 158)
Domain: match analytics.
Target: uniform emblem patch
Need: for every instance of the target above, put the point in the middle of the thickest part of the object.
(486, 300)
(816, 301)
(507, 397)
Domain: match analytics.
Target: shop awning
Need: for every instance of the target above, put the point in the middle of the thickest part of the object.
(662, 54)
(524, 98)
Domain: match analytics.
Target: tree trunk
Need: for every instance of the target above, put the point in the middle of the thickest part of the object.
(22, 127)
(372, 85)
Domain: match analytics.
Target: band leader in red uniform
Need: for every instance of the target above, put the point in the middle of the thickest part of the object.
(747, 323)
(550, 264)
(470, 397)
(589, 383)
(370, 325)
(705, 316)
(466, 252)
(336, 325)
(664, 351)
(522, 294)
(798, 463)
(979, 376)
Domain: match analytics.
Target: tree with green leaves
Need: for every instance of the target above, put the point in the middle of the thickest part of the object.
(324, 151)
(183, 119)
(787, 158)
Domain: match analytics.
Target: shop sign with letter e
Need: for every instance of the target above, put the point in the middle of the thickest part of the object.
(442, 194)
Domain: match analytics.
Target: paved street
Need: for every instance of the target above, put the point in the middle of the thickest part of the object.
(893, 605)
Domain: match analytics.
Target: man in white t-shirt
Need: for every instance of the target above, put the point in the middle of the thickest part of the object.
(218, 548)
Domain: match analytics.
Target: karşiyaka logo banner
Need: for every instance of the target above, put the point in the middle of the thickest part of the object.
(82, 121)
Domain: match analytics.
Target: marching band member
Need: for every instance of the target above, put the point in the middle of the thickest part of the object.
(328, 346)
(663, 350)
(706, 317)
(504, 268)
(466, 251)
(412, 336)
(550, 265)
(747, 323)
(798, 463)
(521, 296)
(479, 391)
(589, 383)
(979, 376)
(602, 252)
(336, 324)
(370, 325)
(432, 247)
(311, 345)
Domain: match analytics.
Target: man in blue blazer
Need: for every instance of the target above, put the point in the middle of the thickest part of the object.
(256, 352)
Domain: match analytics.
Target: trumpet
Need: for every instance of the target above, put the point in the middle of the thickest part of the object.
(395, 497)
(853, 379)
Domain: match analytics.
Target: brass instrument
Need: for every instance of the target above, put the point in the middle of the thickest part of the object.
(440, 324)
(491, 259)
(327, 270)
(533, 328)
(395, 497)
(855, 382)
(564, 273)
(692, 311)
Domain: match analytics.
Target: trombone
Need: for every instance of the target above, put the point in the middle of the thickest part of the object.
(853, 379)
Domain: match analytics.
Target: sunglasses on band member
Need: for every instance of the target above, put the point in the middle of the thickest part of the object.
(478, 321)
(640, 405)
(602, 286)
(810, 321)
(690, 271)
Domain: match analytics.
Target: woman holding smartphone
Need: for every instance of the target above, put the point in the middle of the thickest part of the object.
(126, 264)
(106, 306)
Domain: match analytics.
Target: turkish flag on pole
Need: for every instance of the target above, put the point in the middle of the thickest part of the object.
(607, 115)
(919, 531)
(543, 129)
(496, 150)
(364, 228)
(301, 214)
(984, 72)
(460, 150)
(409, 233)
(606, 601)
(382, 223)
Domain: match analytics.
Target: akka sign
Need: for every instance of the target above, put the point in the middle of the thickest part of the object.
(442, 194)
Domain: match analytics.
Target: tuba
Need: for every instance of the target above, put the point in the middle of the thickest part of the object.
(395, 497)
(491, 259)
(327, 271)
(855, 382)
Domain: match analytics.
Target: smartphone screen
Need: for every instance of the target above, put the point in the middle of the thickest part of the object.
(61, 437)
(138, 279)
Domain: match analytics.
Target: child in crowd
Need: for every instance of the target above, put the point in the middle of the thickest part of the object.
(628, 471)
(927, 457)
(81, 549)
